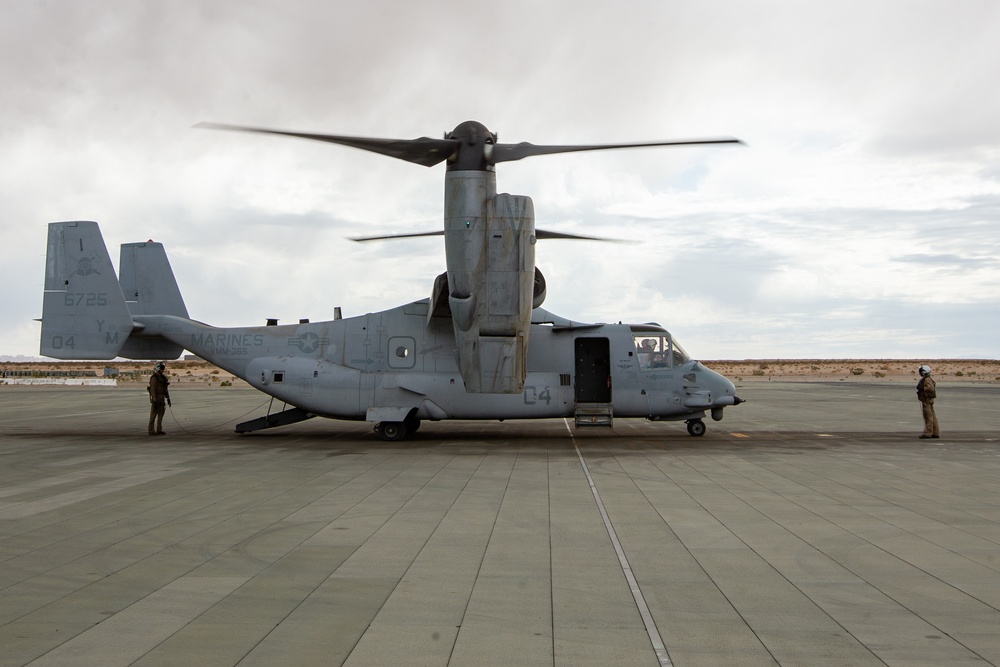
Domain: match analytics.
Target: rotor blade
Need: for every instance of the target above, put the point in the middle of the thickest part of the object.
(543, 235)
(387, 237)
(511, 152)
(424, 151)
(540, 234)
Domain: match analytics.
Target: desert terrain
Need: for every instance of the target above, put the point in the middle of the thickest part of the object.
(858, 370)
(202, 373)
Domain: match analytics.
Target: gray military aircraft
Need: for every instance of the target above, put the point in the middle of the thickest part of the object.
(480, 347)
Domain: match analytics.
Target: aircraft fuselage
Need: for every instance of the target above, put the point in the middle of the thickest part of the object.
(399, 364)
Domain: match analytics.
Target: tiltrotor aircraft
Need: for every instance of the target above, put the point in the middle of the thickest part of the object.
(480, 347)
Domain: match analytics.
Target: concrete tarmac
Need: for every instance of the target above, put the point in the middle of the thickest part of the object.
(809, 527)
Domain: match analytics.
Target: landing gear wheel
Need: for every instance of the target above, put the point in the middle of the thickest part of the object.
(412, 425)
(697, 428)
(390, 431)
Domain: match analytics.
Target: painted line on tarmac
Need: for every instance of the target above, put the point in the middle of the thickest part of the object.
(98, 412)
(640, 601)
(60, 416)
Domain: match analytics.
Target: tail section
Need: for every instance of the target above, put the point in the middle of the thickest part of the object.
(150, 288)
(147, 281)
(85, 314)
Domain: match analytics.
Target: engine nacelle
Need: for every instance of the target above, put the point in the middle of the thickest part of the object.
(492, 282)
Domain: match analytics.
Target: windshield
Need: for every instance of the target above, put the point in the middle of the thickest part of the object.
(680, 356)
(657, 350)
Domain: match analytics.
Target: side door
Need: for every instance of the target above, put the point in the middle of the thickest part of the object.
(593, 370)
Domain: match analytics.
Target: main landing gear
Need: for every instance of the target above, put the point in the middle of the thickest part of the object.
(696, 427)
(395, 431)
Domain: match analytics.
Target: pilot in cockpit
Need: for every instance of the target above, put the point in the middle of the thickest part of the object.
(646, 351)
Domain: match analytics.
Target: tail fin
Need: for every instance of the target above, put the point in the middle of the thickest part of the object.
(84, 315)
(150, 288)
(147, 281)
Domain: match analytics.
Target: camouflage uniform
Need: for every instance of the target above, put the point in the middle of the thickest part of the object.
(159, 397)
(927, 392)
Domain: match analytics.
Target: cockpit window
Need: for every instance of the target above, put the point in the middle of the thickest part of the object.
(653, 350)
(657, 350)
(680, 356)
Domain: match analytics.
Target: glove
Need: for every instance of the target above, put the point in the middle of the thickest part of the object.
(169, 403)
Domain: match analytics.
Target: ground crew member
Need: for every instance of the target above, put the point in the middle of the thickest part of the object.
(927, 392)
(159, 398)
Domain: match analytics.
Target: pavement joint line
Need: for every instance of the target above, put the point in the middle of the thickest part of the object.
(807, 506)
(76, 414)
(647, 618)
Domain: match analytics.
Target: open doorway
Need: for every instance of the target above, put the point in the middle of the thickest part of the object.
(593, 370)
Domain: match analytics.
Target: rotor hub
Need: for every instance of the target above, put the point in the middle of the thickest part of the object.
(474, 151)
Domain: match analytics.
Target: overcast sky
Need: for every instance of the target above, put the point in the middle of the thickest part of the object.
(861, 220)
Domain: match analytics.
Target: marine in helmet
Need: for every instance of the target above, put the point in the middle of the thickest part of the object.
(927, 392)
(159, 398)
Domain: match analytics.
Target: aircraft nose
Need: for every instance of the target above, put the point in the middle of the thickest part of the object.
(726, 395)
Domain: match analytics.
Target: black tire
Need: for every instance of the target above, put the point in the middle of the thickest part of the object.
(697, 428)
(391, 431)
(412, 425)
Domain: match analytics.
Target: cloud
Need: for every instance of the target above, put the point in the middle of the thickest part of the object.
(860, 218)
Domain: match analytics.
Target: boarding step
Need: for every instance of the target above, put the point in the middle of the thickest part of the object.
(594, 414)
(283, 418)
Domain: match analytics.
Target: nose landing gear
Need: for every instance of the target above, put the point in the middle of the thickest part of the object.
(696, 427)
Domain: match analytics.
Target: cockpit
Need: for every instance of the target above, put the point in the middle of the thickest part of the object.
(656, 350)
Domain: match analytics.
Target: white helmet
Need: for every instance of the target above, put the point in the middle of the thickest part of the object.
(924, 370)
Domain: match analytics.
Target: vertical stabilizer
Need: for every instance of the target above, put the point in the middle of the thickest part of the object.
(84, 315)
(149, 287)
(148, 282)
